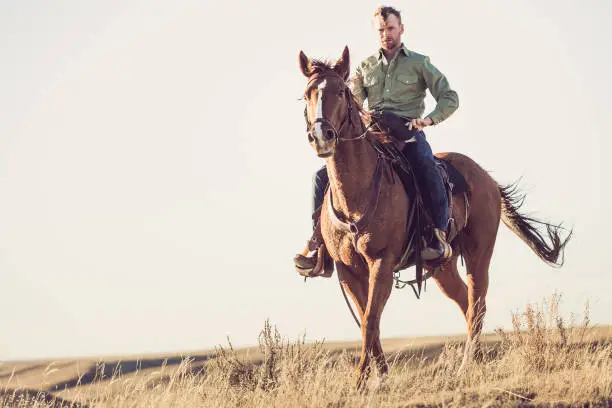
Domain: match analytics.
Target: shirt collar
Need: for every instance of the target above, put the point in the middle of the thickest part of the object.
(403, 49)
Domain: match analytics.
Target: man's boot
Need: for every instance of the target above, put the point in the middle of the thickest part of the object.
(314, 259)
(310, 261)
(438, 249)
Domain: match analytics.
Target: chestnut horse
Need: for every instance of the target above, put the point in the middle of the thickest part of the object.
(365, 260)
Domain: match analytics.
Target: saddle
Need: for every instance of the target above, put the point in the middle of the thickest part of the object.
(419, 226)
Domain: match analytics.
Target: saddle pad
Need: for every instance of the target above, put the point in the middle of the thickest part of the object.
(456, 179)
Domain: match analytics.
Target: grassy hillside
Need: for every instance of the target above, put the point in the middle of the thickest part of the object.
(544, 361)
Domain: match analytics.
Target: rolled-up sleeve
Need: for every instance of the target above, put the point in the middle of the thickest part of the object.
(447, 99)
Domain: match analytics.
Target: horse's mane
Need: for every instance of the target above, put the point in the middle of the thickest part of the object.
(322, 67)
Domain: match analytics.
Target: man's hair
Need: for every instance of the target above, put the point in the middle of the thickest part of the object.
(385, 11)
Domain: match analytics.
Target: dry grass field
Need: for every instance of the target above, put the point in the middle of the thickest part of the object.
(544, 361)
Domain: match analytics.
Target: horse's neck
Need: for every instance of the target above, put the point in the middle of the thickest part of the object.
(351, 171)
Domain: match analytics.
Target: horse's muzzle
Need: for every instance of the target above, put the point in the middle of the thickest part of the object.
(323, 138)
(322, 133)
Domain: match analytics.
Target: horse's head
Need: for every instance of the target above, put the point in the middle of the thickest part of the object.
(328, 101)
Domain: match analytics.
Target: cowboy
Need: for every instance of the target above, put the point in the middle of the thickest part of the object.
(394, 81)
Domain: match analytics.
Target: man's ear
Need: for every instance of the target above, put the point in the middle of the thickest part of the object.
(305, 65)
(343, 66)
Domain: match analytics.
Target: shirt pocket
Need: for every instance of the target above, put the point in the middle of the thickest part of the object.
(410, 81)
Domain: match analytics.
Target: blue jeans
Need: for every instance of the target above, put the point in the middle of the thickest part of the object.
(421, 159)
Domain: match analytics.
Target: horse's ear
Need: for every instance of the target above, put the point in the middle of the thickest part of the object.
(343, 65)
(305, 65)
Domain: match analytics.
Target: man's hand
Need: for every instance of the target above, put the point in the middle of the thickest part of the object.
(419, 124)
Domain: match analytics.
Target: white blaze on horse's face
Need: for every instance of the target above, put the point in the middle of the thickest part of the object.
(320, 89)
(322, 135)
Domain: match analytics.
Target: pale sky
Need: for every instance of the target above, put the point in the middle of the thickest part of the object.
(156, 177)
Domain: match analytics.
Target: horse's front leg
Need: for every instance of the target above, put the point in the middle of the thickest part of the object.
(380, 285)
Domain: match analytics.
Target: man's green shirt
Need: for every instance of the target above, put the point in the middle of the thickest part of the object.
(399, 85)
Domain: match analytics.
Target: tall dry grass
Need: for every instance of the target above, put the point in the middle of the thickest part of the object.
(545, 360)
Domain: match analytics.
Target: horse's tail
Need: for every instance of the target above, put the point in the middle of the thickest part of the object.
(526, 227)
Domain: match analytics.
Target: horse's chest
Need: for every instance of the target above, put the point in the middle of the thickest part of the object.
(340, 247)
(351, 258)
(346, 252)
(347, 248)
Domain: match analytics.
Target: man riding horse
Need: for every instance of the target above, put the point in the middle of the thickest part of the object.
(394, 81)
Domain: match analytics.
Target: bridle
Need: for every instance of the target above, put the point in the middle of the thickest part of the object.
(348, 118)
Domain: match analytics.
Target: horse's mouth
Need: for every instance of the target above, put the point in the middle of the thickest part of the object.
(325, 155)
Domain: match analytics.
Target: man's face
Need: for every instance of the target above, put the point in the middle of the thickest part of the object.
(389, 32)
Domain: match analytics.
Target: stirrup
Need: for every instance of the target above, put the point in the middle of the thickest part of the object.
(308, 258)
(445, 251)
(319, 264)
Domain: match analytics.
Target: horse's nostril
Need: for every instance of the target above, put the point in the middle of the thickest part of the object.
(329, 134)
(310, 138)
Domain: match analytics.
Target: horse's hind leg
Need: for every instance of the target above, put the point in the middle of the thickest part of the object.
(478, 283)
(477, 242)
(478, 250)
(450, 283)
